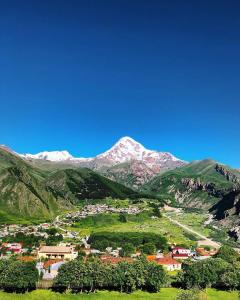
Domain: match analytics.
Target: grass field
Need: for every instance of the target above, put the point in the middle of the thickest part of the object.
(165, 294)
(141, 223)
(193, 220)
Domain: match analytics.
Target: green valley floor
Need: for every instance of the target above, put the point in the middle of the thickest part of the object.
(165, 294)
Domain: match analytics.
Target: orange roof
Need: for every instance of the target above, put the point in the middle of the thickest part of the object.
(151, 257)
(50, 262)
(26, 258)
(167, 261)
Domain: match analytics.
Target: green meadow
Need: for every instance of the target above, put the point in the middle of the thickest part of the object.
(135, 223)
(164, 294)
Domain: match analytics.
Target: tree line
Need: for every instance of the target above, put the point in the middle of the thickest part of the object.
(89, 275)
(138, 240)
(93, 274)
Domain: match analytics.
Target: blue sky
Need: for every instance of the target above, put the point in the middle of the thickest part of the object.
(78, 75)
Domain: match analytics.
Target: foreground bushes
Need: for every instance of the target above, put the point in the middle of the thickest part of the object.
(221, 272)
(92, 275)
(17, 276)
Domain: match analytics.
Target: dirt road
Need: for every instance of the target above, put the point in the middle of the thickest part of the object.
(186, 228)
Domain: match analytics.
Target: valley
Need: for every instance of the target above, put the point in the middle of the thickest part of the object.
(125, 209)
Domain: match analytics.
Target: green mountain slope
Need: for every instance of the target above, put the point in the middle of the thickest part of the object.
(86, 184)
(200, 184)
(29, 193)
(23, 193)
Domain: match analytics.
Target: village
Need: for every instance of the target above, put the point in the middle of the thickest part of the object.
(68, 245)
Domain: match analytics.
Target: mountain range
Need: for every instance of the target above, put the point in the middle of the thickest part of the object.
(39, 186)
(127, 162)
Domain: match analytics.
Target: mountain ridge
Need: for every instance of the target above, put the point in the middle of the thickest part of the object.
(125, 149)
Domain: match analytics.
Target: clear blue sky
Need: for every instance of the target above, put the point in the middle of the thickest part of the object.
(78, 75)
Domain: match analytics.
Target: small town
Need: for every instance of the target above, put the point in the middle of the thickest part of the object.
(49, 258)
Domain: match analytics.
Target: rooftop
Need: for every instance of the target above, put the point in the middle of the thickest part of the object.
(55, 249)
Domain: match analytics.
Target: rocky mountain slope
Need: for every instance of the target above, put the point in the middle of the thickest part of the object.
(30, 193)
(132, 174)
(127, 162)
(201, 184)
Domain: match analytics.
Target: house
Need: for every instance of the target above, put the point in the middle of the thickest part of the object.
(54, 252)
(15, 248)
(181, 253)
(179, 250)
(169, 263)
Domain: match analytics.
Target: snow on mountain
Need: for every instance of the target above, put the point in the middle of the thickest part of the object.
(50, 155)
(126, 149)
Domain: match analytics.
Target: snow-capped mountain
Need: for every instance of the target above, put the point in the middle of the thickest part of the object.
(50, 155)
(125, 150)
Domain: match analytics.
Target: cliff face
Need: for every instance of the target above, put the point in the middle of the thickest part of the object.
(231, 176)
(201, 184)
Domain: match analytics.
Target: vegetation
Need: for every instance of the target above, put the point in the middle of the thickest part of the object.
(201, 173)
(92, 275)
(29, 194)
(141, 222)
(149, 241)
(222, 272)
(164, 294)
(17, 276)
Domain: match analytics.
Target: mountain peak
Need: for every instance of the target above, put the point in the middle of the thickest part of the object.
(124, 150)
(51, 155)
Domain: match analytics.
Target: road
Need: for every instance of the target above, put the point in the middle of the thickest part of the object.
(186, 228)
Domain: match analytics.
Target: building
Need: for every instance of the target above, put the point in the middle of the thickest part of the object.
(169, 263)
(57, 252)
(181, 253)
(15, 248)
(179, 250)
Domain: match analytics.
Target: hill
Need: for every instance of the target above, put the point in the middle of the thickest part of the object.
(23, 193)
(86, 184)
(29, 193)
(200, 184)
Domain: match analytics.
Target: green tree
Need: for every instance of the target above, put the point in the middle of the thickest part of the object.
(88, 276)
(124, 277)
(148, 248)
(203, 274)
(230, 279)
(228, 254)
(18, 276)
(156, 277)
(122, 218)
(127, 250)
